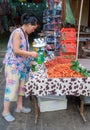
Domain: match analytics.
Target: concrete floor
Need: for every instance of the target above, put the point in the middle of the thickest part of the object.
(69, 119)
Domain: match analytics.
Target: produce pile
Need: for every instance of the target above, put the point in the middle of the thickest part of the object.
(56, 60)
(59, 68)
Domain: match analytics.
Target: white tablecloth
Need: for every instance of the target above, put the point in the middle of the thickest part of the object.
(38, 84)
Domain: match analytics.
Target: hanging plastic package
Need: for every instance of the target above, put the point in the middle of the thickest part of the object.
(40, 58)
(69, 18)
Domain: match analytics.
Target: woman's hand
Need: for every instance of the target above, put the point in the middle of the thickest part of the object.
(34, 54)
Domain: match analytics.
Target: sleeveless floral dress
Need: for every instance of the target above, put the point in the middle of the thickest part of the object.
(16, 68)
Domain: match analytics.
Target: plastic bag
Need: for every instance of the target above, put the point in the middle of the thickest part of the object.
(69, 18)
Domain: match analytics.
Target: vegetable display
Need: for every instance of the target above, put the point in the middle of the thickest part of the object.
(60, 68)
(56, 60)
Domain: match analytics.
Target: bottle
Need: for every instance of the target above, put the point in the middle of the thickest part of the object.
(42, 56)
(39, 60)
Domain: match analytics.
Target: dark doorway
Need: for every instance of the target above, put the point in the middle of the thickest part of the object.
(89, 15)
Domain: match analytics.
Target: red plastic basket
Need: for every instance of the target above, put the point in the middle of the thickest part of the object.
(71, 48)
(68, 34)
(68, 56)
(68, 42)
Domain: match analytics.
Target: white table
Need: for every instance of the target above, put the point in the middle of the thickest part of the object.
(40, 85)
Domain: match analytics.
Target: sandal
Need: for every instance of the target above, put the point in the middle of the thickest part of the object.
(8, 117)
(23, 110)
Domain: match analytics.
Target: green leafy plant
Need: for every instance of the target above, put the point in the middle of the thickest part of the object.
(76, 66)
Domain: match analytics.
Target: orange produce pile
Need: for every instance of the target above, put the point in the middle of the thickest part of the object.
(62, 70)
(56, 60)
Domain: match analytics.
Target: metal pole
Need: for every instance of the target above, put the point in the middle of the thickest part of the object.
(80, 15)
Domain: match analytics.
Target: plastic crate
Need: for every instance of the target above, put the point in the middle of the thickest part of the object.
(68, 42)
(68, 47)
(46, 105)
(70, 56)
(54, 97)
(68, 34)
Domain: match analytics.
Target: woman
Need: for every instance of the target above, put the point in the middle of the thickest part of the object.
(15, 60)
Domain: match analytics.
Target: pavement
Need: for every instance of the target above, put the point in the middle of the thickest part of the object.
(68, 119)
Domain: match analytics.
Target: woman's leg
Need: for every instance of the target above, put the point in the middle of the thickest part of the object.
(21, 93)
(6, 112)
(12, 86)
(6, 108)
(20, 107)
(19, 103)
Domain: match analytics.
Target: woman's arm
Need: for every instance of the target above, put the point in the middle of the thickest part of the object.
(16, 47)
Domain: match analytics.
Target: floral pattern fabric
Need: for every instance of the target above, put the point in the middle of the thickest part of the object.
(14, 60)
(14, 84)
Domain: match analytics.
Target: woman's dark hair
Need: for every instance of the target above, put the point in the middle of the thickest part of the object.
(29, 18)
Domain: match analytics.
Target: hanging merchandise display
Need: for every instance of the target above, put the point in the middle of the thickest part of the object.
(69, 18)
(52, 23)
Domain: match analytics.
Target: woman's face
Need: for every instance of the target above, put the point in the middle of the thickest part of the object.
(31, 28)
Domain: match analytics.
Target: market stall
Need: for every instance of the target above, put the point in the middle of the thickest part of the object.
(40, 85)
